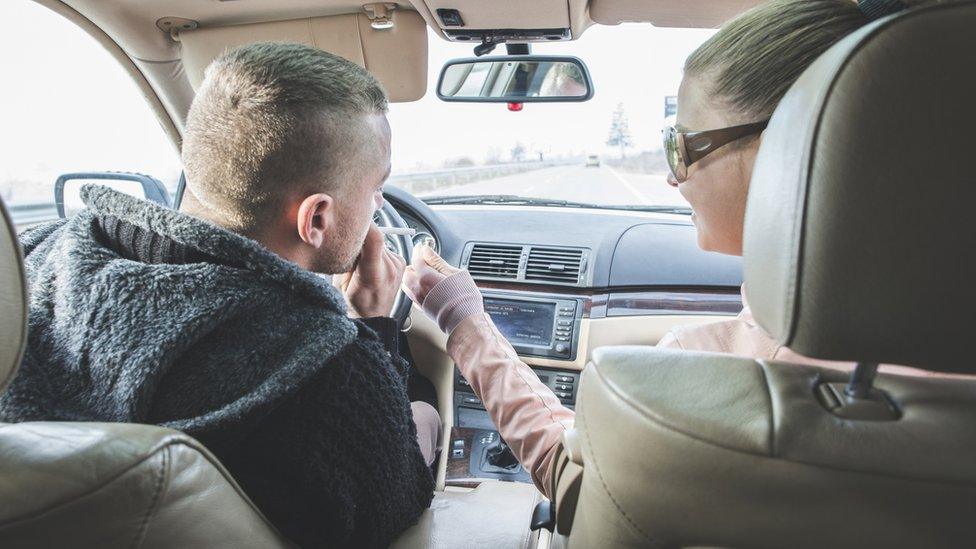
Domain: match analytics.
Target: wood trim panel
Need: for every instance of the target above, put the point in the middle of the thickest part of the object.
(650, 302)
(671, 303)
(459, 468)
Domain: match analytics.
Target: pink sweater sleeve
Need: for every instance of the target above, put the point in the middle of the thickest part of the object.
(528, 415)
(452, 300)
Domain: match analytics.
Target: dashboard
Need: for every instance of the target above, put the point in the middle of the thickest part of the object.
(624, 251)
(596, 264)
(559, 282)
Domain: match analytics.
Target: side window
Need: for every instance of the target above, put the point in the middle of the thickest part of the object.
(67, 106)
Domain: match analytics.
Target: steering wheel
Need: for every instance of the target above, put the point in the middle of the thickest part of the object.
(402, 245)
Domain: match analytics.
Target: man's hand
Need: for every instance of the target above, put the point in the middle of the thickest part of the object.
(425, 271)
(371, 287)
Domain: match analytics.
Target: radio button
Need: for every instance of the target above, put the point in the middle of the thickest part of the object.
(562, 387)
(565, 322)
(564, 379)
(566, 396)
(561, 338)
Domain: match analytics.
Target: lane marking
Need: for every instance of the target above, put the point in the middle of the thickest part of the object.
(559, 173)
(630, 187)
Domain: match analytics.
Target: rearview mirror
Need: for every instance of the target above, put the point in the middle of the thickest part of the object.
(515, 79)
(67, 189)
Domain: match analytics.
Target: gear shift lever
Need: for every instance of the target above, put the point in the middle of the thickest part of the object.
(500, 455)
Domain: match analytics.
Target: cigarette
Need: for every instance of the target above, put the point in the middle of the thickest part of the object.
(397, 231)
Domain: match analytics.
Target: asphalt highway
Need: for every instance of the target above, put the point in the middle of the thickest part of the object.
(601, 185)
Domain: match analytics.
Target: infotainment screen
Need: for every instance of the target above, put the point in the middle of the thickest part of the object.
(523, 322)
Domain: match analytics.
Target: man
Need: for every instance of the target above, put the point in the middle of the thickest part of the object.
(219, 324)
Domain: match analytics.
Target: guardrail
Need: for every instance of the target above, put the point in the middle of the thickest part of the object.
(425, 182)
(25, 215)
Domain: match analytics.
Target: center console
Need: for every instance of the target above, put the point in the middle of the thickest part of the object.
(535, 326)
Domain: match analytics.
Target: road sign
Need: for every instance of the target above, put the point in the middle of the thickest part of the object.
(670, 105)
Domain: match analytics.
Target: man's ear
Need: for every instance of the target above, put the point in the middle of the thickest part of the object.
(315, 218)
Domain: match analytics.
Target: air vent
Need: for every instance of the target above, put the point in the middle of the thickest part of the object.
(554, 265)
(494, 261)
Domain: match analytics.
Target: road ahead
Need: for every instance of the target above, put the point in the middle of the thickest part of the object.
(598, 185)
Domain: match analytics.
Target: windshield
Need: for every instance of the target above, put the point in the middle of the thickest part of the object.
(604, 152)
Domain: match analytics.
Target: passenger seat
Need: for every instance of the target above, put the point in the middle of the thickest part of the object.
(860, 245)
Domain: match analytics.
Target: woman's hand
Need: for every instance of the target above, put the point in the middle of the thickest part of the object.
(424, 272)
(447, 294)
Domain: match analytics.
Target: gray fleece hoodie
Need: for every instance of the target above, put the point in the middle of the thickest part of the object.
(216, 336)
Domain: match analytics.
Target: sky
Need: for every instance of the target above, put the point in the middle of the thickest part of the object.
(66, 105)
(634, 64)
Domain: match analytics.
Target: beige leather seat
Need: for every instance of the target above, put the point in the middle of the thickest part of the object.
(107, 484)
(860, 246)
(110, 485)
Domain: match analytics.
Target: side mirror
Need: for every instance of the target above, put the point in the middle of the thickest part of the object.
(515, 79)
(67, 189)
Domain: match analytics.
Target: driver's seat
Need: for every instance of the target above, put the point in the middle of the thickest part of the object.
(107, 484)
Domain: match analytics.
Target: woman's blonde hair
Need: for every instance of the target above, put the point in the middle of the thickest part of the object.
(753, 60)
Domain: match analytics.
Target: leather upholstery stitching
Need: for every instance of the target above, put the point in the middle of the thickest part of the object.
(772, 413)
(527, 534)
(362, 44)
(660, 422)
(796, 249)
(161, 475)
(603, 483)
(167, 441)
(170, 440)
(11, 233)
(311, 35)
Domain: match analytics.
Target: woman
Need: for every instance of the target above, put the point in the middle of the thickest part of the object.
(732, 84)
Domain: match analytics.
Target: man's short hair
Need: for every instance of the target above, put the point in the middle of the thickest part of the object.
(271, 118)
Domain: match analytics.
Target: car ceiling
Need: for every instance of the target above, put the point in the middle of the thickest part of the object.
(135, 32)
(133, 23)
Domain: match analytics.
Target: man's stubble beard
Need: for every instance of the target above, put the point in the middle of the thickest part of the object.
(342, 255)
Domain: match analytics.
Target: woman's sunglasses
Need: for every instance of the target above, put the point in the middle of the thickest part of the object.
(684, 149)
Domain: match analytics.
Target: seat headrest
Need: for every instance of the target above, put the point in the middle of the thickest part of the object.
(860, 238)
(13, 300)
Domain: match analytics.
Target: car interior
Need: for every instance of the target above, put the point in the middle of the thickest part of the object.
(856, 234)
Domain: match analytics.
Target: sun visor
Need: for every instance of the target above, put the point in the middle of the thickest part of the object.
(396, 56)
(511, 21)
(668, 13)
